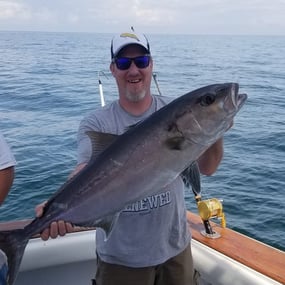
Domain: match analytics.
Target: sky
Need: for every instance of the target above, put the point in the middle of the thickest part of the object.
(243, 17)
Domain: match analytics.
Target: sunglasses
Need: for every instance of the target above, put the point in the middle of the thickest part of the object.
(124, 63)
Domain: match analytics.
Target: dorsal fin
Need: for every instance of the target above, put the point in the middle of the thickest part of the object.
(100, 141)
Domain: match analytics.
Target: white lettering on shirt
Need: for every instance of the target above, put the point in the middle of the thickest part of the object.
(149, 203)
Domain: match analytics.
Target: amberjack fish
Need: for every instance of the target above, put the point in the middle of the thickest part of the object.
(138, 163)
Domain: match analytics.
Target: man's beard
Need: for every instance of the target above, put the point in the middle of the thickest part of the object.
(135, 97)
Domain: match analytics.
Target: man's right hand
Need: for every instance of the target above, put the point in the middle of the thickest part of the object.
(56, 228)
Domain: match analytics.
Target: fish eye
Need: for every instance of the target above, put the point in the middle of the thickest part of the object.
(207, 99)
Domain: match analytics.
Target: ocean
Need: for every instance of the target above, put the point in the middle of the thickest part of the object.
(49, 81)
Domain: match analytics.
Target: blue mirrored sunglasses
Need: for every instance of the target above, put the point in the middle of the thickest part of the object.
(124, 63)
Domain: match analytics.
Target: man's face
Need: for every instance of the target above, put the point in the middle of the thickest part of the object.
(133, 83)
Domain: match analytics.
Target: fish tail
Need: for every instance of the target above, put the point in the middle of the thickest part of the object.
(13, 244)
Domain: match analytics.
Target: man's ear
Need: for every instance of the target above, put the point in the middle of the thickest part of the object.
(151, 62)
(112, 68)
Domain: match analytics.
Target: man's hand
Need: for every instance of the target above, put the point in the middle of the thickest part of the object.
(56, 228)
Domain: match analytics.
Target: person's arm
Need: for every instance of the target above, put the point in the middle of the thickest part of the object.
(209, 161)
(6, 181)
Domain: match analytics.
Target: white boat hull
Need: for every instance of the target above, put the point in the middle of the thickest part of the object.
(72, 260)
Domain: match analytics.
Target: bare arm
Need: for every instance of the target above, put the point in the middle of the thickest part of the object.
(211, 158)
(6, 181)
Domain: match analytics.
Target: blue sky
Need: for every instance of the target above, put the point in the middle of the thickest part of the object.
(261, 17)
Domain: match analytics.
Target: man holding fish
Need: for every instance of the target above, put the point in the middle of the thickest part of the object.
(149, 243)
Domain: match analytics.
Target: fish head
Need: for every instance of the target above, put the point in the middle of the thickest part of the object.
(207, 113)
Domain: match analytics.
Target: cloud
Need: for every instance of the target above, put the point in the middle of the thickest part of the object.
(19, 12)
(33, 15)
(160, 16)
(13, 10)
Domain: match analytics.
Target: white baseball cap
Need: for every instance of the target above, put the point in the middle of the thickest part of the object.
(124, 39)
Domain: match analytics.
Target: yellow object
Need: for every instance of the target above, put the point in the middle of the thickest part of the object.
(210, 208)
(223, 221)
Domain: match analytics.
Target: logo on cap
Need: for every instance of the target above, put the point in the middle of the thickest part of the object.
(129, 35)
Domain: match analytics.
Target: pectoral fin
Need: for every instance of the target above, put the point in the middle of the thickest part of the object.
(191, 177)
(107, 224)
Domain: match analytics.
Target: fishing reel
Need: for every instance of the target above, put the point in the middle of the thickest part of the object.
(209, 209)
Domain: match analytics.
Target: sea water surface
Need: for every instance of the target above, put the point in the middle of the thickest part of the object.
(49, 81)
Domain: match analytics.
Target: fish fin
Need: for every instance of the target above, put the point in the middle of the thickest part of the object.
(175, 143)
(13, 244)
(100, 141)
(191, 177)
(107, 224)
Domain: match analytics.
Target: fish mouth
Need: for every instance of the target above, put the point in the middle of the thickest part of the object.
(241, 98)
(235, 101)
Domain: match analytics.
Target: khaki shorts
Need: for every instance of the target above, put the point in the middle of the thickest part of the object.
(175, 271)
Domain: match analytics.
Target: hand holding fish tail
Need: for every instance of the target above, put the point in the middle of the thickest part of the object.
(58, 228)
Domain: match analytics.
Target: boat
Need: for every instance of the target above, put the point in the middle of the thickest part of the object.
(232, 258)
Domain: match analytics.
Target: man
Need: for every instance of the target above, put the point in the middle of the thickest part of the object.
(150, 243)
(7, 163)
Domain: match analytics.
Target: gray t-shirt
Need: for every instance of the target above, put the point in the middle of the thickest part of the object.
(152, 230)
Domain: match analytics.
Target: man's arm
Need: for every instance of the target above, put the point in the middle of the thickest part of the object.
(209, 161)
(6, 181)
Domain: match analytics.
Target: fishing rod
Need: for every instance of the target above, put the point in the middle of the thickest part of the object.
(156, 83)
(101, 89)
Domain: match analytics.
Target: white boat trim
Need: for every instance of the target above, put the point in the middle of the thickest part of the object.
(221, 269)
